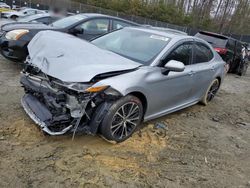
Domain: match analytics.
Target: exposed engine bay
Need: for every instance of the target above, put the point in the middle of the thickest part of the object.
(59, 107)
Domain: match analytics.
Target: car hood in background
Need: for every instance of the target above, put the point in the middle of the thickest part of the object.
(25, 25)
(71, 59)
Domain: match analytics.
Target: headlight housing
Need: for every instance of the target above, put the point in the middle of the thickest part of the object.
(81, 87)
(16, 34)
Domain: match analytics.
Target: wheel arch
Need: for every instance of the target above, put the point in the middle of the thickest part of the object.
(219, 78)
(142, 98)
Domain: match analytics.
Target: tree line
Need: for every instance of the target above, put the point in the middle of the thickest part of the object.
(222, 16)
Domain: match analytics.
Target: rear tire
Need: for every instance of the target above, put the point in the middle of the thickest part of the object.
(211, 92)
(123, 118)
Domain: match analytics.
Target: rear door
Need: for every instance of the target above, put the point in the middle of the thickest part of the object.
(204, 69)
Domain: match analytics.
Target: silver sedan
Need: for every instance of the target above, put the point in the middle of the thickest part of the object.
(117, 81)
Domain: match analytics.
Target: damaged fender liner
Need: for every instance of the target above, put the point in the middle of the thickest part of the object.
(28, 101)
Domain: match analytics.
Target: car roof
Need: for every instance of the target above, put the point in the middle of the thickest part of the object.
(168, 30)
(214, 34)
(92, 15)
(165, 33)
(217, 35)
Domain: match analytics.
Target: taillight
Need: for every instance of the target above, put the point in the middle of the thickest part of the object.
(221, 50)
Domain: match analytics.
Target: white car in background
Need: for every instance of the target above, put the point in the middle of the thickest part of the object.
(4, 5)
(22, 13)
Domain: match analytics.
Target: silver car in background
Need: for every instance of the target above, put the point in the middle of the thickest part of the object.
(21, 13)
(117, 81)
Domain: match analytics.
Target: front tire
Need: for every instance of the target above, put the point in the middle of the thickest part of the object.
(211, 91)
(123, 118)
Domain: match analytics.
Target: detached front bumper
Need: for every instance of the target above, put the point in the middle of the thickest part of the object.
(40, 114)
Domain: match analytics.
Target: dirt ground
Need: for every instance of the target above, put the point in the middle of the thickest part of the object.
(199, 146)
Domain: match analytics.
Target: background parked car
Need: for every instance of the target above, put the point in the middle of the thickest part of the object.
(45, 18)
(16, 37)
(21, 13)
(4, 6)
(228, 48)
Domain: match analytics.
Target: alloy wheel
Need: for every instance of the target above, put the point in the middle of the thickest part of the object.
(213, 90)
(125, 120)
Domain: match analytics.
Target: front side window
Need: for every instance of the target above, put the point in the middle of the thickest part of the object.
(202, 53)
(183, 53)
(96, 26)
(137, 45)
(68, 21)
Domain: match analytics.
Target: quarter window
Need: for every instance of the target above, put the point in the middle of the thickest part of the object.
(202, 53)
(182, 53)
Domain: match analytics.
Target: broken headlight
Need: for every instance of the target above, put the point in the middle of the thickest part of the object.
(111, 91)
(83, 87)
(79, 87)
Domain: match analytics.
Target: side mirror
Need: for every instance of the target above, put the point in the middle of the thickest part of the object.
(175, 66)
(77, 30)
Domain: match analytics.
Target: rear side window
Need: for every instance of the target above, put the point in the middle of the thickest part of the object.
(231, 44)
(119, 24)
(239, 48)
(202, 53)
(96, 26)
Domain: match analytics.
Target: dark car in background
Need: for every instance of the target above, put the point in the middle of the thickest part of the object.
(46, 18)
(229, 48)
(15, 38)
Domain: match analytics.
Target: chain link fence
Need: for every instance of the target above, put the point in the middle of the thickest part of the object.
(75, 7)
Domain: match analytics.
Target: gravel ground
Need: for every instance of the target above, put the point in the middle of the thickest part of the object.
(198, 147)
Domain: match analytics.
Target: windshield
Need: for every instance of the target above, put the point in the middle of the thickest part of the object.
(133, 44)
(68, 21)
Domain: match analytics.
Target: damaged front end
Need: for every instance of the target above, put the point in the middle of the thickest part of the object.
(59, 107)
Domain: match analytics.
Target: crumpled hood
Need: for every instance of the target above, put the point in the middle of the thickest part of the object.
(71, 59)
